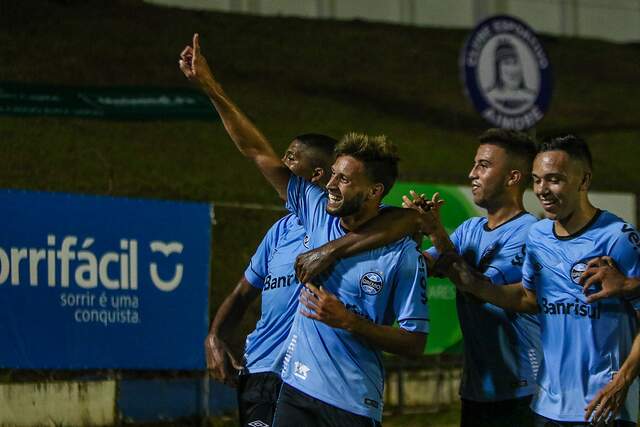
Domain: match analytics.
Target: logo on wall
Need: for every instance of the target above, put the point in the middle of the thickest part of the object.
(506, 73)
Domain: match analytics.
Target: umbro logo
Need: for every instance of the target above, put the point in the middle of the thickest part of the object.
(300, 370)
(258, 423)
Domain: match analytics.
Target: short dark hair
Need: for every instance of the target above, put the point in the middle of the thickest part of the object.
(574, 146)
(322, 148)
(516, 144)
(378, 154)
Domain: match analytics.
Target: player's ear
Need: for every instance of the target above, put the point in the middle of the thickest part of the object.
(586, 181)
(514, 178)
(317, 175)
(376, 190)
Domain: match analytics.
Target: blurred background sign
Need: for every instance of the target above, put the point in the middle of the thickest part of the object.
(22, 99)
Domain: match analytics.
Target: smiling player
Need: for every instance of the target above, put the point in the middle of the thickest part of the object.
(584, 344)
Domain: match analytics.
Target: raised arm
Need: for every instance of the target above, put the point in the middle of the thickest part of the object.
(608, 401)
(320, 304)
(250, 141)
(221, 362)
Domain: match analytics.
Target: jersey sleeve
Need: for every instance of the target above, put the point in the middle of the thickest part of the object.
(507, 266)
(307, 201)
(625, 252)
(455, 237)
(258, 267)
(410, 299)
(530, 266)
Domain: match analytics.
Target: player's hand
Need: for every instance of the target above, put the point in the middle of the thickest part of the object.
(194, 65)
(221, 364)
(605, 406)
(309, 264)
(421, 203)
(417, 202)
(429, 210)
(603, 270)
(322, 305)
(466, 274)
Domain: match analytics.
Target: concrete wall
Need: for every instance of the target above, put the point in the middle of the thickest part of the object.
(426, 388)
(615, 20)
(86, 403)
(109, 402)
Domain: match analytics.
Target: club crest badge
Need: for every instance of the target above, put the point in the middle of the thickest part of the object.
(371, 283)
(577, 270)
(506, 73)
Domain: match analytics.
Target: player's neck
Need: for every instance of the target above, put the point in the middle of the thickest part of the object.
(355, 221)
(576, 221)
(501, 213)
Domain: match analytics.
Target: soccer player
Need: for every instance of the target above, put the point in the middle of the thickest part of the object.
(333, 372)
(392, 287)
(584, 345)
(271, 274)
(501, 348)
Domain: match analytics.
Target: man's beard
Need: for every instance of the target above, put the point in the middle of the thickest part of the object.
(348, 207)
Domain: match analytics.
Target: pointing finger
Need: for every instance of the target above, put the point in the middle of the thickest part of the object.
(196, 44)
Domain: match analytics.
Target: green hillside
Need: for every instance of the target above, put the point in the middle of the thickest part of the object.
(291, 76)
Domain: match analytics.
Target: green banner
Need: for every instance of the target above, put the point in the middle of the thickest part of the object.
(444, 335)
(19, 99)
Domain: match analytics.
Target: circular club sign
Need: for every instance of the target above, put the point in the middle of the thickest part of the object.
(506, 73)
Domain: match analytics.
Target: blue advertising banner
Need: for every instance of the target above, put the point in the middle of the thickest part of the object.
(92, 282)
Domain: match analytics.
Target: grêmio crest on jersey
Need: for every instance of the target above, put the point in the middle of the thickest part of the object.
(506, 73)
(371, 283)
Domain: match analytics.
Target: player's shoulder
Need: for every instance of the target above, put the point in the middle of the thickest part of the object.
(521, 225)
(471, 225)
(615, 229)
(527, 219)
(543, 226)
(539, 231)
(608, 228)
(301, 185)
(286, 221)
(284, 226)
(474, 221)
(612, 222)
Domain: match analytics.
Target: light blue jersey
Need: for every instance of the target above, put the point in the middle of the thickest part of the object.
(501, 348)
(271, 269)
(382, 285)
(584, 344)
